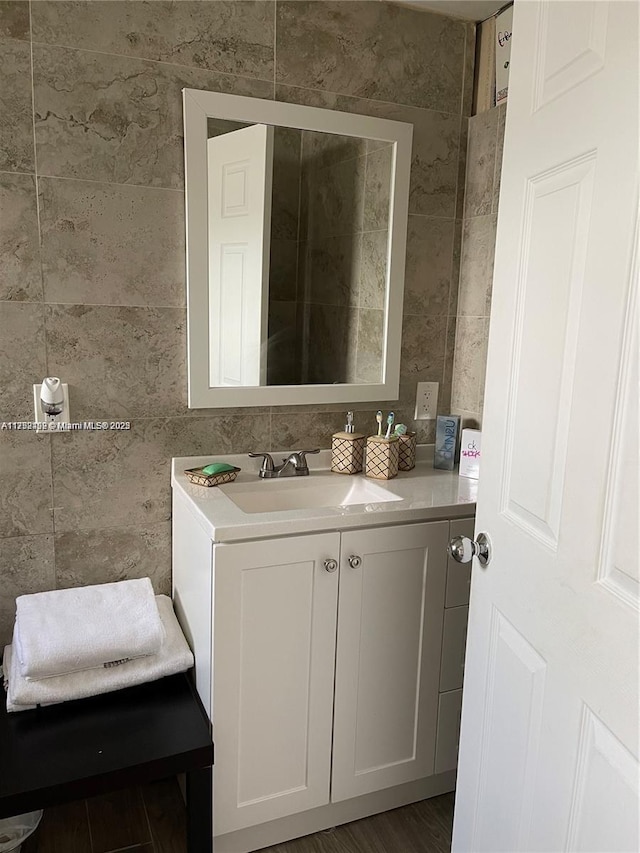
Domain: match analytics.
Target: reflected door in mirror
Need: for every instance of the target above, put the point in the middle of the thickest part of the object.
(240, 170)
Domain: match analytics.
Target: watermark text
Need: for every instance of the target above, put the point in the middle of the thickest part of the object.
(53, 426)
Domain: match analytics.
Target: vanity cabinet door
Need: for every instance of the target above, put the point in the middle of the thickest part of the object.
(388, 656)
(274, 651)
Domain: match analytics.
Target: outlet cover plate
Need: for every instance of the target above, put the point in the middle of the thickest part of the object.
(426, 401)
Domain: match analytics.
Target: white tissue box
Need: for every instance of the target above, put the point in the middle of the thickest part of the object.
(470, 453)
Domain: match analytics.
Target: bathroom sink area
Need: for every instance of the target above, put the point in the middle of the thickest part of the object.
(254, 508)
(306, 493)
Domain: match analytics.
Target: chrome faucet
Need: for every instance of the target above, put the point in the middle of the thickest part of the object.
(295, 465)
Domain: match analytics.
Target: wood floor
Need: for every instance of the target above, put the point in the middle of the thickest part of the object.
(423, 827)
(152, 820)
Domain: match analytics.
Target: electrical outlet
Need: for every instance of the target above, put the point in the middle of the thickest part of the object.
(426, 401)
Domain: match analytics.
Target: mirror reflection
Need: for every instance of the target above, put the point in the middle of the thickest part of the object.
(298, 227)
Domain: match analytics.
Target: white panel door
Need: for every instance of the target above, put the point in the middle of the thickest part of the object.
(388, 657)
(549, 741)
(274, 629)
(240, 174)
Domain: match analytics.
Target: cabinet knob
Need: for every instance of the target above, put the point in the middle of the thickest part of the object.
(331, 565)
(463, 549)
(355, 562)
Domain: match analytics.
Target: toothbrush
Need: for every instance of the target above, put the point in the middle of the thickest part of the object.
(390, 419)
(379, 419)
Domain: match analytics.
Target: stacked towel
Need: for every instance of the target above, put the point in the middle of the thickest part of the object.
(70, 630)
(173, 656)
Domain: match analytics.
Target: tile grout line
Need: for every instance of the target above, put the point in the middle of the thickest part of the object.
(105, 183)
(275, 48)
(136, 58)
(495, 164)
(453, 284)
(152, 306)
(367, 100)
(453, 218)
(464, 218)
(298, 233)
(471, 317)
(212, 414)
(455, 363)
(464, 70)
(495, 158)
(479, 215)
(74, 530)
(41, 301)
(26, 535)
(330, 166)
(42, 282)
(446, 356)
(16, 172)
(358, 307)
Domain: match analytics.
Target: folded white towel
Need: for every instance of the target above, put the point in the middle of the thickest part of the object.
(69, 630)
(174, 656)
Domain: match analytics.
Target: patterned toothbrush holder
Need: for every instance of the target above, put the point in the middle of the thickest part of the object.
(408, 448)
(383, 457)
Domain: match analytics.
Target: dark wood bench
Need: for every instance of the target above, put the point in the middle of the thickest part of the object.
(92, 746)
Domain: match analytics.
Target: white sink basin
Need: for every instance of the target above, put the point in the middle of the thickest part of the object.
(310, 492)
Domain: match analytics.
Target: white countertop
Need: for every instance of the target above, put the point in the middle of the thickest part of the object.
(426, 495)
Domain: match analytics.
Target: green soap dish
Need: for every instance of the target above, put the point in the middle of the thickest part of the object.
(215, 474)
(217, 468)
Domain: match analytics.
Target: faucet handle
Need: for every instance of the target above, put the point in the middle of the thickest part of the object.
(267, 460)
(302, 454)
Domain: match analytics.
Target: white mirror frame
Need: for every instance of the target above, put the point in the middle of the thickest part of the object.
(198, 107)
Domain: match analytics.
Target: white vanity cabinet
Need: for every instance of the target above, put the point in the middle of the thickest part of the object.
(320, 660)
(390, 607)
(285, 740)
(274, 657)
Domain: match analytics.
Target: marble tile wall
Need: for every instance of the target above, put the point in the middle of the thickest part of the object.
(482, 186)
(92, 247)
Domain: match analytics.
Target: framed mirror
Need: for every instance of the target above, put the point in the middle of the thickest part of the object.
(296, 237)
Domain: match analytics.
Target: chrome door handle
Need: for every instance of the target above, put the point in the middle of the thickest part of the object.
(355, 562)
(330, 565)
(463, 549)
